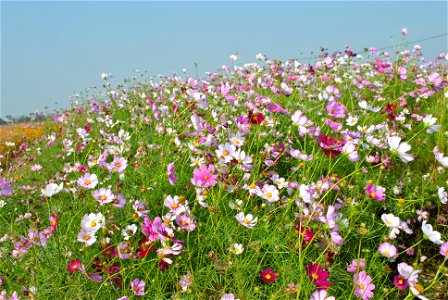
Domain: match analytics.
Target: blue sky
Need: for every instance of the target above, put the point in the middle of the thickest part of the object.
(49, 50)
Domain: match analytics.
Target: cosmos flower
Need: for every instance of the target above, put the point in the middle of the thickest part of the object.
(103, 196)
(356, 265)
(432, 235)
(247, 220)
(92, 222)
(203, 176)
(335, 110)
(440, 157)
(318, 275)
(74, 266)
(171, 175)
(363, 286)
(321, 295)
(88, 181)
(268, 275)
(443, 196)
(400, 149)
(236, 248)
(5, 190)
(400, 282)
(229, 296)
(388, 250)
(52, 189)
(138, 287)
(185, 281)
(444, 249)
(375, 192)
(270, 193)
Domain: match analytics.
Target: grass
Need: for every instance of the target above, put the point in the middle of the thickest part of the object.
(303, 175)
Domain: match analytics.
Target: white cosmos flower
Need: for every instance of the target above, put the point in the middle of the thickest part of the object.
(52, 189)
(400, 148)
(429, 122)
(246, 220)
(433, 236)
(236, 248)
(270, 193)
(443, 196)
(92, 222)
(129, 231)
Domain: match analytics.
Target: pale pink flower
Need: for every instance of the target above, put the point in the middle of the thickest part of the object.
(88, 181)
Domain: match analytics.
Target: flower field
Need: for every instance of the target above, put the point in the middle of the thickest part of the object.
(269, 180)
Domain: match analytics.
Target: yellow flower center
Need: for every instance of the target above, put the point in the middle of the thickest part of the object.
(246, 221)
(102, 197)
(361, 286)
(268, 276)
(225, 153)
(314, 276)
(269, 194)
(86, 237)
(372, 194)
(93, 224)
(88, 182)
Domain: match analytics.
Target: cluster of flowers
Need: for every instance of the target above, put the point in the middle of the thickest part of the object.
(246, 136)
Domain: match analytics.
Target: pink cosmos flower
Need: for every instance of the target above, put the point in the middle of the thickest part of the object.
(4, 188)
(171, 175)
(185, 281)
(438, 155)
(103, 196)
(321, 295)
(356, 265)
(124, 250)
(203, 176)
(95, 277)
(363, 287)
(88, 181)
(229, 296)
(335, 110)
(444, 249)
(186, 222)
(375, 192)
(388, 250)
(138, 287)
(119, 164)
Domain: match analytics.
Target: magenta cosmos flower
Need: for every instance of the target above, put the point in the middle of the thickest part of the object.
(318, 275)
(400, 282)
(268, 275)
(375, 192)
(203, 176)
(363, 287)
(138, 287)
(74, 265)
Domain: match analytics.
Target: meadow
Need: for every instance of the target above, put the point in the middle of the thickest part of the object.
(268, 180)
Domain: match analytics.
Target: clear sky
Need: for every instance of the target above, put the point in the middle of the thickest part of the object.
(49, 50)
